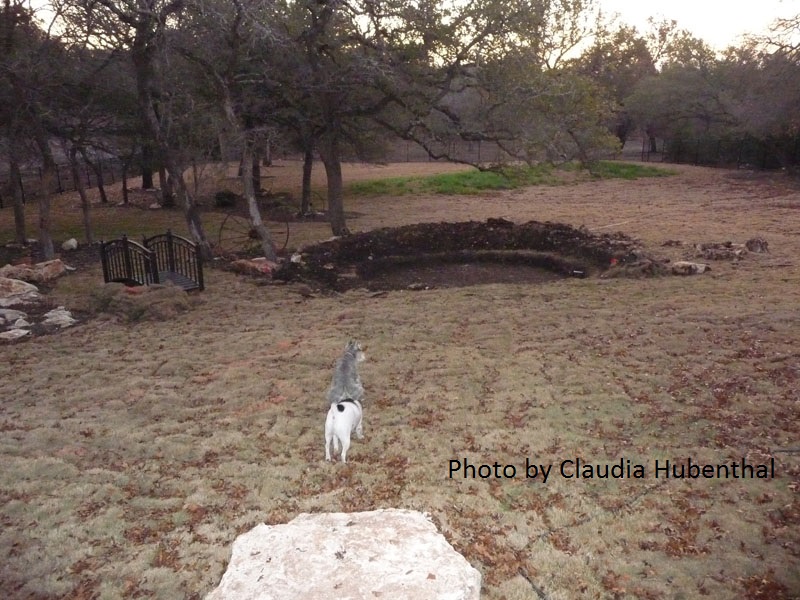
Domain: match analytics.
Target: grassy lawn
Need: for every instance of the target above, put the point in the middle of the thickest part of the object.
(134, 454)
(478, 182)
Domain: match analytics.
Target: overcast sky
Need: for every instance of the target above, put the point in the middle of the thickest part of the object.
(718, 22)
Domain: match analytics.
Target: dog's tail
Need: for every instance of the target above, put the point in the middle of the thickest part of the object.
(340, 404)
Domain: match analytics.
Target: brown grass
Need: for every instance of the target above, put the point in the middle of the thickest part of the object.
(134, 454)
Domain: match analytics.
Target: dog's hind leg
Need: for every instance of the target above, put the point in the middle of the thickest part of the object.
(360, 430)
(345, 446)
(329, 437)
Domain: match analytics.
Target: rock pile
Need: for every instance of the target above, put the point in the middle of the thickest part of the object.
(731, 250)
(39, 273)
(30, 314)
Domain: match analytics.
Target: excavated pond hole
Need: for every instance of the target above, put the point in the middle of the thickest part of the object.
(458, 274)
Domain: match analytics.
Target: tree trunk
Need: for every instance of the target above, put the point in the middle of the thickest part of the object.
(267, 160)
(248, 160)
(192, 214)
(48, 178)
(246, 172)
(85, 209)
(175, 173)
(125, 182)
(98, 173)
(45, 223)
(167, 193)
(331, 158)
(651, 137)
(101, 186)
(308, 166)
(195, 177)
(15, 189)
(147, 167)
(256, 175)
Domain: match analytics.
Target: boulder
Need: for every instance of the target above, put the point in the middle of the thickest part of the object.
(13, 334)
(14, 292)
(683, 267)
(38, 273)
(388, 554)
(60, 317)
(70, 244)
(758, 245)
(8, 315)
(254, 266)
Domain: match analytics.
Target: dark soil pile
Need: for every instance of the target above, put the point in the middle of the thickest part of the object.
(349, 261)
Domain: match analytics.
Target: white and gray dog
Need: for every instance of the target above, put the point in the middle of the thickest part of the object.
(345, 396)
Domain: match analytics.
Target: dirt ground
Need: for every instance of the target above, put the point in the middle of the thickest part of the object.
(134, 453)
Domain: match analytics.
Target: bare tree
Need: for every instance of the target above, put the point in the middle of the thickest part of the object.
(27, 68)
(230, 34)
(140, 27)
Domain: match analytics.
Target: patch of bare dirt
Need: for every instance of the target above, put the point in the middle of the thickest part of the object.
(423, 275)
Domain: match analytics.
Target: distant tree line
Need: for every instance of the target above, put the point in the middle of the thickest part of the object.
(164, 84)
(738, 107)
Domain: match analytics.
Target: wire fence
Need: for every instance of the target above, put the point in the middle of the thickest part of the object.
(470, 151)
(773, 153)
(105, 171)
(741, 153)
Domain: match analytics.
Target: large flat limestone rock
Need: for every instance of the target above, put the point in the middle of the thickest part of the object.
(390, 554)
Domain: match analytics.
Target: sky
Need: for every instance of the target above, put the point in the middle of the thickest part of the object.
(717, 22)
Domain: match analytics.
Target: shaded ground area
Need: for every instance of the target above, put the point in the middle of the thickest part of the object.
(422, 275)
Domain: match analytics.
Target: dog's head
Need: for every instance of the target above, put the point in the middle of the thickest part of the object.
(353, 347)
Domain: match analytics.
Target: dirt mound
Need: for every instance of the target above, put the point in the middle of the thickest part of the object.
(349, 261)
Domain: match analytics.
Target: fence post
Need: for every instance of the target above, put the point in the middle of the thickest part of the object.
(126, 257)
